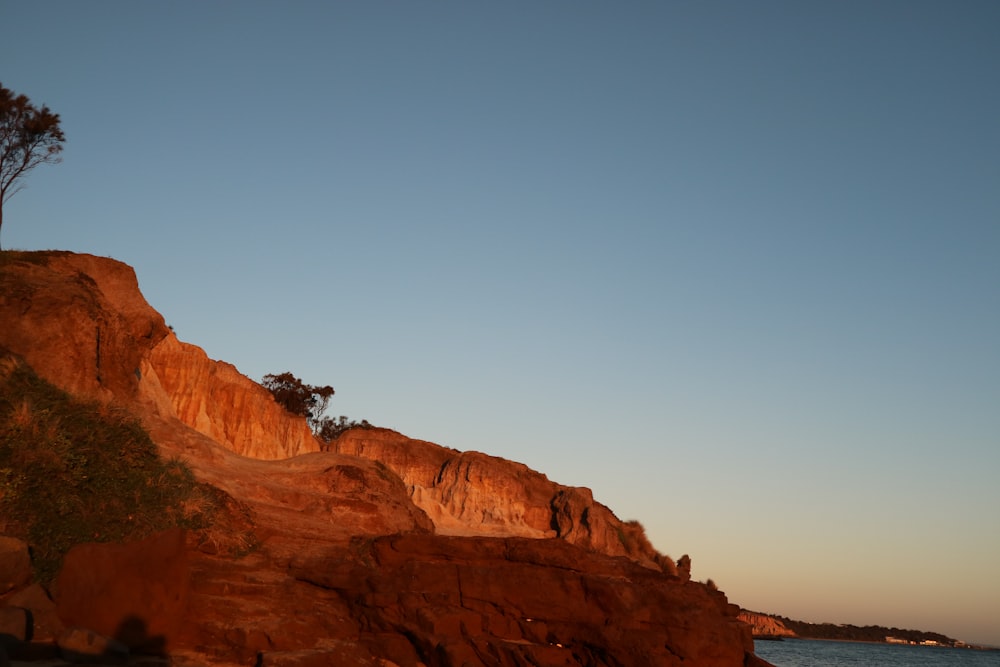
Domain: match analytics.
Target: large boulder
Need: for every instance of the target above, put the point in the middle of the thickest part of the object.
(135, 593)
(45, 623)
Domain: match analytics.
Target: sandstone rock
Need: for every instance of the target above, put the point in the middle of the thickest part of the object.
(470, 493)
(80, 645)
(134, 592)
(15, 563)
(217, 400)
(518, 601)
(346, 567)
(46, 625)
(79, 321)
(82, 324)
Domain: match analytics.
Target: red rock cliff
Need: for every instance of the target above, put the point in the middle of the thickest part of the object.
(763, 625)
(215, 399)
(470, 493)
(78, 320)
(385, 551)
(81, 322)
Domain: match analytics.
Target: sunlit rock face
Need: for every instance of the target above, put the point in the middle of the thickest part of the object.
(470, 493)
(82, 324)
(79, 321)
(762, 625)
(381, 550)
(215, 399)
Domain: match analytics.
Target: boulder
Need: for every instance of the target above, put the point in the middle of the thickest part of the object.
(46, 625)
(135, 593)
(15, 563)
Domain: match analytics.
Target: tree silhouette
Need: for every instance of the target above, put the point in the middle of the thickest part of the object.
(299, 398)
(310, 402)
(29, 136)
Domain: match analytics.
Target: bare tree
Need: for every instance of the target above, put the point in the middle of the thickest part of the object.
(29, 136)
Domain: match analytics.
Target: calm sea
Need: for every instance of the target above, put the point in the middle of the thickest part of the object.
(817, 653)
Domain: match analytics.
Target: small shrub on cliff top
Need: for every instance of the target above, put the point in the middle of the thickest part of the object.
(73, 471)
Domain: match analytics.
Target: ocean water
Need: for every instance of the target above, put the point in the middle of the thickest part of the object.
(818, 653)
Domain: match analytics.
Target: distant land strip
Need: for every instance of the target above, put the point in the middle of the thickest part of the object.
(770, 626)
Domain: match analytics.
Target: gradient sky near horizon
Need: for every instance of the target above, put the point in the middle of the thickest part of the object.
(734, 266)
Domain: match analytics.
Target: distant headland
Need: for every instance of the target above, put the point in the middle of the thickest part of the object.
(770, 626)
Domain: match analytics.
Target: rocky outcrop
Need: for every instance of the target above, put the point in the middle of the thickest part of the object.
(143, 588)
(215, 399)
(763, 625)
(519, 601)
(470, 493)
(438, 601)
(78, 320)
(82, 323)
(382, 551)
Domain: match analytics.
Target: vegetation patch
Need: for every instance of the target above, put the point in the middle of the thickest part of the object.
(37, 257)
(74, 471)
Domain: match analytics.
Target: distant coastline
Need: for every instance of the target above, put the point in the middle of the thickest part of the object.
(771, 627)
(960, 645)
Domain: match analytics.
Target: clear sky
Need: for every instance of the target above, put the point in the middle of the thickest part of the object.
(734, 266)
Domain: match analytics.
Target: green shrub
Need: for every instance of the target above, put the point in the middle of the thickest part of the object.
(74, 471)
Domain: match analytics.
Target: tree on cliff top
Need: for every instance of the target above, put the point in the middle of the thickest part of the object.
(298, 397)
(306, 400)
(29, 136)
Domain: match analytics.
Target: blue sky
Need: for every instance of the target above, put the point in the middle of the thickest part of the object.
(734, 266)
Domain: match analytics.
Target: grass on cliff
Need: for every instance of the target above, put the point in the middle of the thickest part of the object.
(39, 257)
(74, 471)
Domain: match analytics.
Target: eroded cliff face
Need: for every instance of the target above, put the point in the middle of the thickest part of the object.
(82, 323)
(215, 399)
(763, 625)
(107, 342)
(470, 493)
